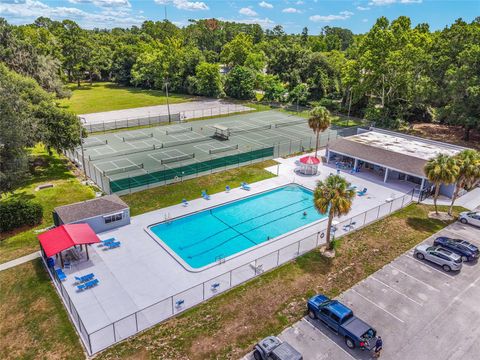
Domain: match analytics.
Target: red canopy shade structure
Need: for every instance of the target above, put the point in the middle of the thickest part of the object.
(64, 237)
(308, 165)
(310, 160)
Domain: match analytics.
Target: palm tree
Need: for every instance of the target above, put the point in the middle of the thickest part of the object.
(442, 169)
(468, 174)
(319, 121)
(333, 197)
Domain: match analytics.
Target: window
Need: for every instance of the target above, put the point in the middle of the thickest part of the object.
(325, 312)
(112, 218)
(335, 318)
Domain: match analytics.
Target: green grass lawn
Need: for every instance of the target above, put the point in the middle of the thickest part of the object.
(34, 323)
(67, 189)
(162, 196)
(105, 96)
(228, 325)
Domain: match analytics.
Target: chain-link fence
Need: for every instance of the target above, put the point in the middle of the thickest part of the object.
(310, 238)
(141, 179)
(150, 120)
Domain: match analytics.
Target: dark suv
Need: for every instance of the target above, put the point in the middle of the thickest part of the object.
(466, 250)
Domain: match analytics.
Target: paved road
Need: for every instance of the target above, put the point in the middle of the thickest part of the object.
(190, 109)
(421, 312)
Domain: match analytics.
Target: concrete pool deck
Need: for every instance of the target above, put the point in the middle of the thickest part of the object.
(140, 273)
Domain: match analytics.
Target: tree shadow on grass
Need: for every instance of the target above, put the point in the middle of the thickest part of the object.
(425, 224)
(48, 168)
(315, 263)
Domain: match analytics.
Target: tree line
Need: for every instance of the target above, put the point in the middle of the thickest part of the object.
(393, 75)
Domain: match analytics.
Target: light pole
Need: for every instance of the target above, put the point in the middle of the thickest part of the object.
(168, 105)
(82, 121)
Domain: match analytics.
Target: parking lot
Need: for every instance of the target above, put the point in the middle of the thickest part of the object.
(420, 311)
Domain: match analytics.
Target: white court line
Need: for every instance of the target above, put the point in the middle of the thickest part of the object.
(414, 278)
(429, 267)
(326, 337)
(398, 292)
(378, 306)
(250, 140)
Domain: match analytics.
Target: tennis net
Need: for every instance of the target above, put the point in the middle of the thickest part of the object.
(222, 149)
(123, 169)
(183, 142)
(124, 152)
(96, 142)
(177, 158)
(137, 137)
(290, 123)
(240, 130)
(178, 131)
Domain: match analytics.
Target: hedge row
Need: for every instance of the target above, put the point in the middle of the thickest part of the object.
(15, 213)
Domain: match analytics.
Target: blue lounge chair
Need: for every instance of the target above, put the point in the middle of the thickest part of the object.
(113, 244)
(108, 241)
(185, 202)
(179, 303)
(245, 186)
(205, 195)
(88, 285)
(363, 192)
(84, 278)
(215, 286)
(61, 275)
(227, 188)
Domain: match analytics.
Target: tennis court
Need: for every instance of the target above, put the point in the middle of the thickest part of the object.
(128, 161)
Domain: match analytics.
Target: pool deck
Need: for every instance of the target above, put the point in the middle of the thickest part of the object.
(140, 272)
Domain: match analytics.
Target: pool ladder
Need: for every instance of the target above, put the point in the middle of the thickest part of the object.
(219, 259)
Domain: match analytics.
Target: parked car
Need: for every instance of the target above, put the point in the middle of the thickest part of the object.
(275, 349)
(448, 260)
(470, 217)
(466, 250)
(342, 321)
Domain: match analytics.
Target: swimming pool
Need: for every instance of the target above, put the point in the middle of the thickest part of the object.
(206, 237)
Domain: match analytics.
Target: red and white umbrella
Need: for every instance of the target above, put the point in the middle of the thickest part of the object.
(310, 160)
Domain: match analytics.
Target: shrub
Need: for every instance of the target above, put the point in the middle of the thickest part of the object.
(15, 213)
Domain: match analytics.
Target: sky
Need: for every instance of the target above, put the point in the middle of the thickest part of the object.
(293, 15)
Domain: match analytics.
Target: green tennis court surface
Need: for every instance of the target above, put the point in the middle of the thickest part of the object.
(133, 160)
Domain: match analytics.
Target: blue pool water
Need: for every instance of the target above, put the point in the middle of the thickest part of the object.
(204, 237)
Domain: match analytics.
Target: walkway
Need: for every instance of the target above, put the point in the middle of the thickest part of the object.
(19, 261)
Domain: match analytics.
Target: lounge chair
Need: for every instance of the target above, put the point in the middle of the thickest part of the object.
(61, 275)
(67, 264)
(245, 186)
(215, 286)
(227, 188)
(88, 285)
(84, 278)
(113, 244)
(185, 202)
(205, 195)
(108, 241)
(179, 303)
(363, 192)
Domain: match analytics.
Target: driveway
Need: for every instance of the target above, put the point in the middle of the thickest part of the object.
(420, 311)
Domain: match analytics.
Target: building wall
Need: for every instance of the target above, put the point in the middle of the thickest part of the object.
(98, 223)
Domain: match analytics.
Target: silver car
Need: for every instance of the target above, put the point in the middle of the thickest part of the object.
(470, 217)
(448, 260)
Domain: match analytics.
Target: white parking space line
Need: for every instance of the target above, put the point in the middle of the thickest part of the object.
(326, 337)
(398, 292)
(429, 267)
(378, 306)
(414, 278)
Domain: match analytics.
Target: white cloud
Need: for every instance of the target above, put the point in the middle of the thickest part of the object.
(265, 5)
(28, 10)
(363, 8)
(364, 20)
(103, 3)
(291, 10)
(343, 15)
(389, 2)
(185, 4)
(247, 11)
(299, 2)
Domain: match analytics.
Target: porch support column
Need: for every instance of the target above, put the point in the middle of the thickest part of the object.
(386, 175)
(422, 184)
(355, 165)
(328, 155)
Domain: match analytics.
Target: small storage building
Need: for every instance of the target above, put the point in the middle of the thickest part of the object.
(102, 214)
